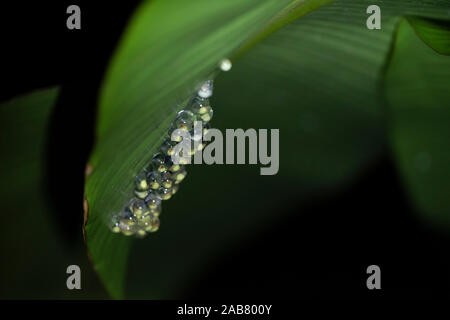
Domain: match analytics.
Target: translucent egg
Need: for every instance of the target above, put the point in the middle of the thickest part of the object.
(141, 182)
(153, 200)
(179, 176)
(146, 221)
(138, 207)
(165, 179)
(198, 104)
(164, 193)
(206, 127)
(206, 89)
(196, 134)
(167, 148)
(140, 232)
(115, 224)
(175, 189)
(176, 134)
(155, 225)
(158, 162)
(152, 179)
(126, 227)
(140, 194)
(184, 120)
(201, 146)
(155, 212)
(206, 114)
(129, 216)
(173, 167)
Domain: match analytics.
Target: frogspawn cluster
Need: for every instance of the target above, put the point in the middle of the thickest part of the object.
(160, 180)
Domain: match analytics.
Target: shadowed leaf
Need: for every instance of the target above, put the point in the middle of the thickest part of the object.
(417, 89)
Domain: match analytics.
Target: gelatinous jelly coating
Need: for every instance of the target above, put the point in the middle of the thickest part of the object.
(206, 89)
(206, 127)
(138, 207)
(141, 182)
(164, 193)
(179, 176)
(155, 225)
(167, 147)
(206, 114)
(162, 178)
(165, 180)
(153, 201)
(115, 224)
(198, 103)
(173, 167)
(184, 120)
(140, 194)
(158, 163)
(175, 189)
(152, 179)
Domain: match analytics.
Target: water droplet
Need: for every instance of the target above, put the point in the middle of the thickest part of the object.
(140, 194)
(225, 65)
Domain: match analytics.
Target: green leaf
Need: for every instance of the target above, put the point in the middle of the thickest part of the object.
(317, 79)
(434, 33)
(24, 121)
(323, 72)
(417, 89)
(168, 49)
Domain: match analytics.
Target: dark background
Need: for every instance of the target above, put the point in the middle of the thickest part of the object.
(378, 227)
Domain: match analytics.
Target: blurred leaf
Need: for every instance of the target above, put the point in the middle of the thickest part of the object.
(169, 48)
(318, 80)
(34, 258)
(418, 91)
(24, 122)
